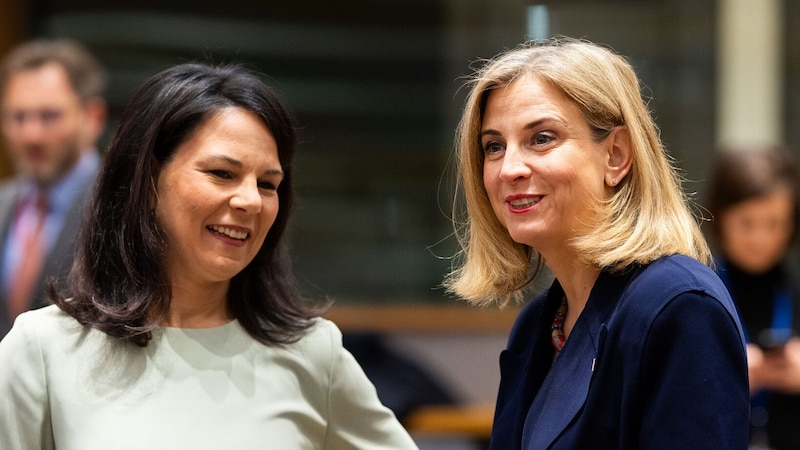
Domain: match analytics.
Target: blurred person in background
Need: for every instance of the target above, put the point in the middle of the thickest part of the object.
(754, 200)
(53, 112)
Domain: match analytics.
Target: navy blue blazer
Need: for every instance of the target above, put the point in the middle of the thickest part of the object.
(656, 360)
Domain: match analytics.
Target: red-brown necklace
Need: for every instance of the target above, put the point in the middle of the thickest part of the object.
(557, 330)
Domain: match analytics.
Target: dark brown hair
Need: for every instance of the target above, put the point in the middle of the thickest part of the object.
(750, 172)
(119, 281)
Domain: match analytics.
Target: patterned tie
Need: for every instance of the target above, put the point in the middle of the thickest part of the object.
(31, 262)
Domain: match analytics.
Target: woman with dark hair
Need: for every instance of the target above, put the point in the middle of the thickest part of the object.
(182, 327)
(754, 200)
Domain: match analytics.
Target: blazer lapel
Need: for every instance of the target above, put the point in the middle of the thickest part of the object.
(566, 387)
(522, 372)
(564, 391)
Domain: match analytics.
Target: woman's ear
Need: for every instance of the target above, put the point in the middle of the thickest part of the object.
(620, 155)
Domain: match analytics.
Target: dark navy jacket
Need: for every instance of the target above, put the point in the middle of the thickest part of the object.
(656, 360)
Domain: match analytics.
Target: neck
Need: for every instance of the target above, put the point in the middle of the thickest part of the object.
(577, 280)
(198, 307)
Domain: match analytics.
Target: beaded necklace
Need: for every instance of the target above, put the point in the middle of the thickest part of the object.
(557, 330)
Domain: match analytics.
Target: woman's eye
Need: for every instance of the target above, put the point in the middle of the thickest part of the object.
(542, 139)
(492, 147)
(267, 185)
(218, 173)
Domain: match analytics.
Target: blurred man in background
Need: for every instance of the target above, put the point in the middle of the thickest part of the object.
(53, 112)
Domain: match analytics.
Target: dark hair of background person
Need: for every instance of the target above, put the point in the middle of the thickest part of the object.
(86, 76)
(750, 172)
(119, 282)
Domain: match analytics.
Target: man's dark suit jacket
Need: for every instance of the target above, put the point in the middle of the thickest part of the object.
(655, 361)
(59, 259)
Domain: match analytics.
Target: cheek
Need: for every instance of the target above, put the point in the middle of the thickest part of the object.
(166, 218)
(269, 212)
(491, 179)
(777, 237)
(174, 205)
(746, 244)
(586, 180)
(567, 182)
(730, 236)
(733, 244)
(491, 185)
(64, 131)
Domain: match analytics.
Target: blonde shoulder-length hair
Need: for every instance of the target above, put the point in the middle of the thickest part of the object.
(647, 217)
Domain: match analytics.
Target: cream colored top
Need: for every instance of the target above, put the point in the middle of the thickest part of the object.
(67, 387)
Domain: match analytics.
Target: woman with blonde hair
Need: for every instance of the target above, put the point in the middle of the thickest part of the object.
(561, 164)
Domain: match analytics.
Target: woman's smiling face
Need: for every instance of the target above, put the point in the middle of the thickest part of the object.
(755, 234)
(217, 197)
(543, 170)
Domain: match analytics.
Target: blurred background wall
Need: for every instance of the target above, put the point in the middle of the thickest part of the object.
(376, 87)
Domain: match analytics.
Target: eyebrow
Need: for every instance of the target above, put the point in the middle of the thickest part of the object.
(227, 159)
(530, 125)
(235, 162)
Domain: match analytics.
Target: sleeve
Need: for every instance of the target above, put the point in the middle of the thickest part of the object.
(24, 408)
(356, 417)
(694, 378)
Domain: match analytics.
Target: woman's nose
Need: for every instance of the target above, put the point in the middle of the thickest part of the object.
(247, 197)
(514, 165)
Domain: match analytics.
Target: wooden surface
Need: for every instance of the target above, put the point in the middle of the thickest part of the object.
(422, 318)
(474, 421)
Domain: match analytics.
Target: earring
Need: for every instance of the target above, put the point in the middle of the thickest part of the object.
(614, 181)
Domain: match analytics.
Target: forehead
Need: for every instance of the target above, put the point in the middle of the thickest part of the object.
(232, 131)
(529, 87)
(778, 201)
(531, 95)
(44, 86)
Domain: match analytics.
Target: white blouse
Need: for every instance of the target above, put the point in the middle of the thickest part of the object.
(67, 387)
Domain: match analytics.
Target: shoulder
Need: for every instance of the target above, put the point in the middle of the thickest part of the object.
(322, 331)
(8, 187)
(678, 273)
(47, 327)
(661, 281)
(675, 288)
(320, 343)
(8, 193)
(46, 323)
(44, 337)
